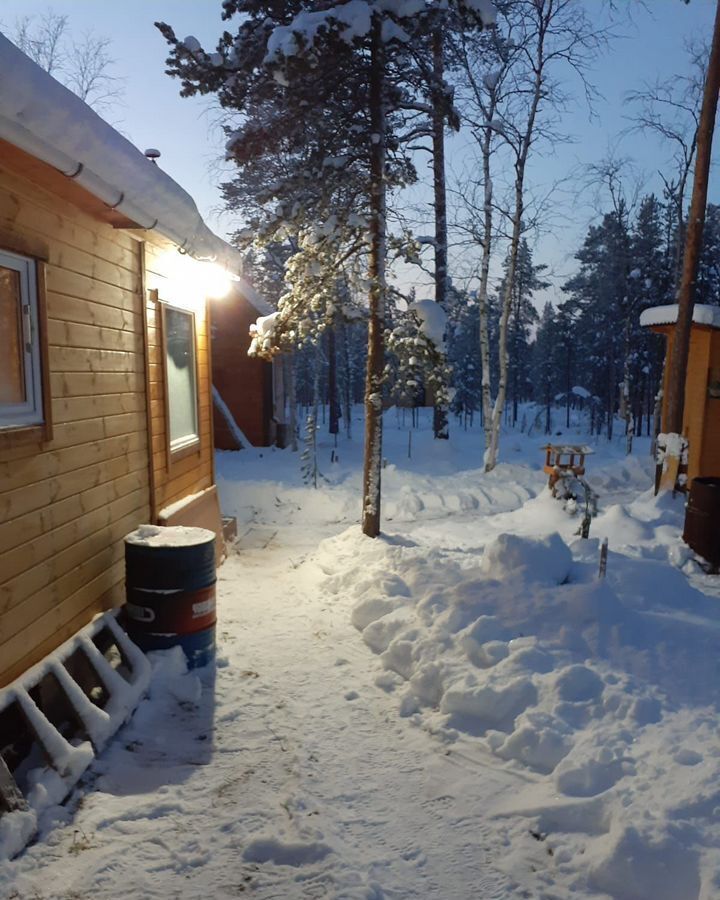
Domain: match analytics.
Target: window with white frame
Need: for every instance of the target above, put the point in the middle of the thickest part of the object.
(181, 377)
(20, 363)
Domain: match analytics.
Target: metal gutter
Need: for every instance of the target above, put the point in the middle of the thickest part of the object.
(46, 120)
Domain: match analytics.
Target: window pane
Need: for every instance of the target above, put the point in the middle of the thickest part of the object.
(180, 365)
(12, 376)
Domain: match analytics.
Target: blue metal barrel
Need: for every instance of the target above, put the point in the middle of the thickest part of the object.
(170, 587)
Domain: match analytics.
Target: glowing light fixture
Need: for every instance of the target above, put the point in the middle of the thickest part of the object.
(190, 282)
(216, 280)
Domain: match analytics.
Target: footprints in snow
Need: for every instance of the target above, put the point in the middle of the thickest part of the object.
(264, 850)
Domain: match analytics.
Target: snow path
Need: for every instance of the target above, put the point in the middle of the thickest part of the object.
(457, 710)
(291, 777)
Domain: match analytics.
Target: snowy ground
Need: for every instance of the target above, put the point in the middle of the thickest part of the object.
(457, 710)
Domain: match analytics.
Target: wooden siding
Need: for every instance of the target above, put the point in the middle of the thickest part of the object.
(696, 397)
(701, 414)
(175, 478)
(66, 504)
(710, 460)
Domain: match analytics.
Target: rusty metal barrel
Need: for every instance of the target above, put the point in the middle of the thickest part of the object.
(702, 520)
(170, 587)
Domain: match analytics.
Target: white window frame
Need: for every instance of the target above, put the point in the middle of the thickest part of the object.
(18, 415)
(189, 443)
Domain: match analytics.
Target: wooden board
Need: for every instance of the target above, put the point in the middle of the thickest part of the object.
(10, 797)
(174, 478)
(202, 511)
(66, 503)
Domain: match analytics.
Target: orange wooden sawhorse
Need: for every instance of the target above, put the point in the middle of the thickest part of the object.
(561, 459)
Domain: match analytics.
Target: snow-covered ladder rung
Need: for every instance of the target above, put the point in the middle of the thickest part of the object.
(63, 694)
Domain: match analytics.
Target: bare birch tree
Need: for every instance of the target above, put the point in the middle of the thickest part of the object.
(671, 110)
(545, 36)
(485, 60)
(615, 179)
(42, 38)
(84, 64)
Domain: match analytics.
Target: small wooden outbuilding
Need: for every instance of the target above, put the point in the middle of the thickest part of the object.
(701, 417)
(245, 392)
(105, 393)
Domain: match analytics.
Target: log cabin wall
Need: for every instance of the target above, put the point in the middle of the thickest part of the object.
(67, 502)
(175, 476)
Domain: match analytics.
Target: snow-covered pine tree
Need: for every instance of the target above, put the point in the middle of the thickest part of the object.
(463, 355)
(310, 80)
(264, 267)
(599, 303)
(428, 101)
(650, 284)
(545, 363)
(624, 269)
(707, 288)
(523, 316)
(418, 361)
(566, 356)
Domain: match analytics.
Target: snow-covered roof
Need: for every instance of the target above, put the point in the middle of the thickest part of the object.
(667, 315)
(43, 118)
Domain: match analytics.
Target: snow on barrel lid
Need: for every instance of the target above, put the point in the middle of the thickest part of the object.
(169, 536)
(703, 314)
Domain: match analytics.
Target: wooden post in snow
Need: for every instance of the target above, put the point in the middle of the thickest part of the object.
(693, 245)
(10, 797)
(603, 559)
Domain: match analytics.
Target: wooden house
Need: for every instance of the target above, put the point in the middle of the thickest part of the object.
(105, 397)
(248, 401)
(701, 416)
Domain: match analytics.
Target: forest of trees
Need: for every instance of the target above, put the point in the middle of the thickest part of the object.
(333, 110)
(569, 354)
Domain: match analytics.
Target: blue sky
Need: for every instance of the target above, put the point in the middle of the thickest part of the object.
(153, 114)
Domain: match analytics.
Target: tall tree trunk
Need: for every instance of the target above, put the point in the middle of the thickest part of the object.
(568, 386)
(334, 406)
(693, 238)
(516, 344)
(279, 394)
(289, 364)
(347, 384)
(312, 422)
(548, 411)
(372, 464)
(482, 297)
(440, 412)
(499, 406)
(611, 398)
(625, 404)
(544, 15)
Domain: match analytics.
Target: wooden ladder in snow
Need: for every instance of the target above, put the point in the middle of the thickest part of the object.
(59, 715)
